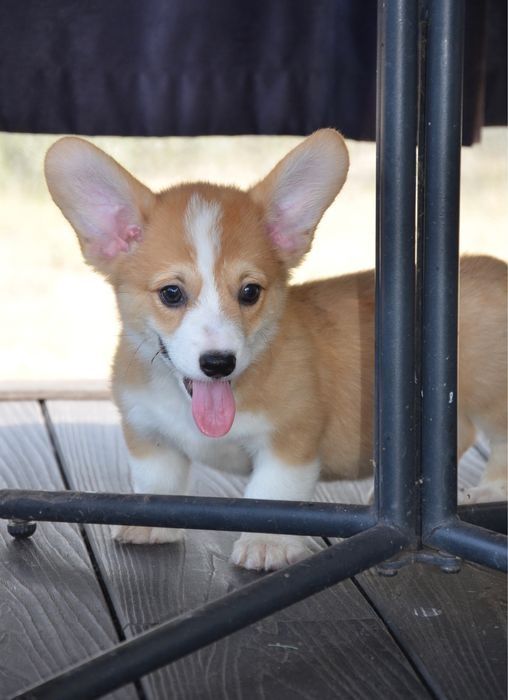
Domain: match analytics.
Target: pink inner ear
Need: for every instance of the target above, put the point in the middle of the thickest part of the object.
(288, 243)
(285, 228)
(112, 229)
(120, 242)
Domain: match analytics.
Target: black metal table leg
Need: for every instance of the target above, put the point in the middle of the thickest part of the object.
(189, 512)
(395, 263)
(443, 122)
(443, 140)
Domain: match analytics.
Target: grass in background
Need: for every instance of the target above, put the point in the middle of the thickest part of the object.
(57, 317)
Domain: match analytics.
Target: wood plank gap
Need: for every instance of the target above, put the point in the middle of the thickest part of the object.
(422, 678)
(453, 625)
(53, 614)
(377, 613)
(53, 439)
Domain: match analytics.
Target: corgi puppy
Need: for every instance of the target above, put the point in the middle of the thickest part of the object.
(222, 362)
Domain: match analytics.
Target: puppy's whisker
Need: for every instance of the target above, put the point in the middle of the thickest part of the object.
(133, 356)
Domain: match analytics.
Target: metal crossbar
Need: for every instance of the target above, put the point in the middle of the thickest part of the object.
(415, 511)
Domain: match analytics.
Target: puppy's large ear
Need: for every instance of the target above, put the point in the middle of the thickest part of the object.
(300, 188)
(106, 206)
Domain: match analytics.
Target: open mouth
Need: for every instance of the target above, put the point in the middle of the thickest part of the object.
(189, 384)
(213, 402)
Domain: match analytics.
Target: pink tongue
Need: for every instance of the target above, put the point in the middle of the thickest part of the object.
(213, 407)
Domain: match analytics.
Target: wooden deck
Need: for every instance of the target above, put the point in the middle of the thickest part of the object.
(70, 592)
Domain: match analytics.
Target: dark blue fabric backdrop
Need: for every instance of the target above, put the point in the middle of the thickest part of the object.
(188, 67)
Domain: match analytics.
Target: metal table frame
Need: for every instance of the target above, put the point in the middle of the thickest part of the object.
(415, 515)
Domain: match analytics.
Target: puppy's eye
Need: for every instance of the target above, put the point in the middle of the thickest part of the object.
(249, 294)
(171, 295)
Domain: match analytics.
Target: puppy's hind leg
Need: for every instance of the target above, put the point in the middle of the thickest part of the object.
(154, 469)
(492, 486)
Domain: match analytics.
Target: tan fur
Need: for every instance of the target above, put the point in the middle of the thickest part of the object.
(325, 395)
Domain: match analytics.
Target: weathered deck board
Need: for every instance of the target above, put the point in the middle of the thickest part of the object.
(332, 645)
(52, 611)
(46, 390)
(452, 626)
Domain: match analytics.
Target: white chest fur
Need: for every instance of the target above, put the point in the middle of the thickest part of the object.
(163, 411)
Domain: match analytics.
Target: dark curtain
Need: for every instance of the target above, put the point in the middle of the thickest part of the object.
(189, 67)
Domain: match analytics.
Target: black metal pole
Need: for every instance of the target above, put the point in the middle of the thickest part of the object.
(472, 543)
(395, 262)
(198, 628)
(492, 516)
(194, 512)
(443, 140)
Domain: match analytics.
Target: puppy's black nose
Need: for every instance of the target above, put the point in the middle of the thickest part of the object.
(217, 364)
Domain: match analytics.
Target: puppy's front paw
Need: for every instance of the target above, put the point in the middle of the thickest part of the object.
(268, 552)
(146, 535)
(485, 492)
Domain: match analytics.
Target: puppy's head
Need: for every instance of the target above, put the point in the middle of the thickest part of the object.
(199, 271)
